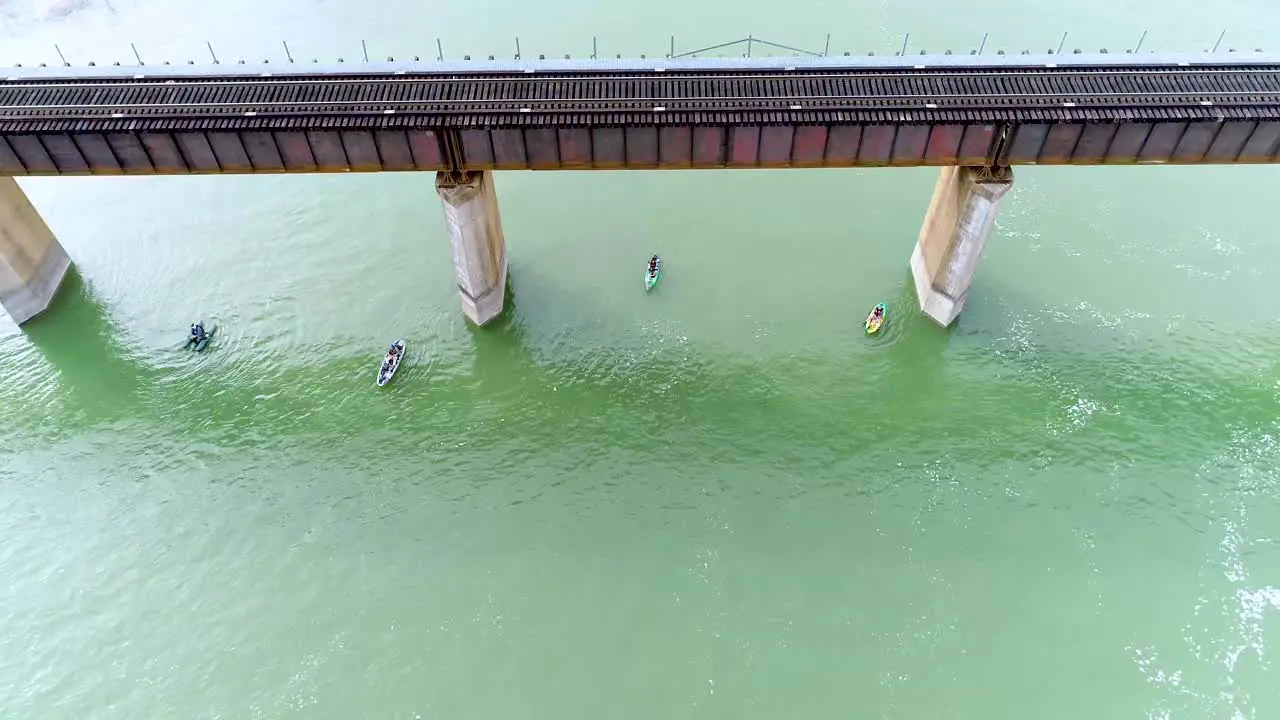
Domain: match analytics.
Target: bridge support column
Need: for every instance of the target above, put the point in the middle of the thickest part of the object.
(32, 261)
(479, 248)
(954, 236)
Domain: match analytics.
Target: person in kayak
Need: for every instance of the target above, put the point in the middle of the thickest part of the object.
(197, 331)
(653, 264)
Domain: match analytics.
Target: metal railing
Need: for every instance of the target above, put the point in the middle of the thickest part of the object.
(747, 47)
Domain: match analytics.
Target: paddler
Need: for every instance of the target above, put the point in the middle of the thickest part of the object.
(653, 264)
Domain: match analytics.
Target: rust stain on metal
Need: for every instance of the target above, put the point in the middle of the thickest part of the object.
(809, 148)
(675, 146)
(425, 146)
(978, 144)
(477, 150)
(1060, 143)
(943, 147)
(710, 148)
(909, 145)
(575, 148)
(393, 149)
(642, 146)
(744, 146)
(543, 147)
(877, 145)
(1026, 145)
(608, 148)
(508, 148)
(1094, 142)
(1127, 143)
(295, 151)
(1229, 143)
(328, 151)
(775, 145)
(131, 154)
(843, 143)
(1262, 144)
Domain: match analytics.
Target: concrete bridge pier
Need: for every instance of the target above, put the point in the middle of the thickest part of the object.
(32, 261)
(479, 248)
(954, 236)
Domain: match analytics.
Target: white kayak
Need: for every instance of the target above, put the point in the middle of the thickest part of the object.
(390, 363)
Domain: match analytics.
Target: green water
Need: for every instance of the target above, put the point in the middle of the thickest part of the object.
(718, 499)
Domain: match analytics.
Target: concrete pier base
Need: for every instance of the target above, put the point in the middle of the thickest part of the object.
(479, 248)
(32, 261)
(954, 236)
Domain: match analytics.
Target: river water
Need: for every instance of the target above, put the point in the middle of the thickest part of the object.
(717, 500)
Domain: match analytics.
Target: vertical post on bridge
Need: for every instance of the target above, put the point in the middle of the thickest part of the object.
(983, 46)
(595, 53)
(1138, 47)
(365, 49)
(1215, 45)
(826, 49)
(64, 57)
(211, 54)
(439, 51)
(1062, 42)
(286, 50)
(136, 55)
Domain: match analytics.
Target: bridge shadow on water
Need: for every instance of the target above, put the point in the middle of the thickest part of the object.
(1010, 377)
(1005, 375)
(78, 338)
(501, 342)
(629, 392)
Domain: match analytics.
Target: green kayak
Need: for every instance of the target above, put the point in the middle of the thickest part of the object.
(652, 272)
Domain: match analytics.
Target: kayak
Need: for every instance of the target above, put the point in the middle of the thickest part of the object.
(651, 278)
(203, 341)
(875, 323)
(390, 365)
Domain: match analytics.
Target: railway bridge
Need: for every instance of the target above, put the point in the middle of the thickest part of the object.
(976, 117)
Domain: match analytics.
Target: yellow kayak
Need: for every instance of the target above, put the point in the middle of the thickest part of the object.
(876, 319)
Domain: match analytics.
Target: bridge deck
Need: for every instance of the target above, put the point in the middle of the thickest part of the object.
(859, 95)
(553, 115)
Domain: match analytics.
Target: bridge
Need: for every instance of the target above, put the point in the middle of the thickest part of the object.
(974, 116)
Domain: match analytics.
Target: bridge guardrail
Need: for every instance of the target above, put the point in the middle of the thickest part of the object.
(747, 47)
